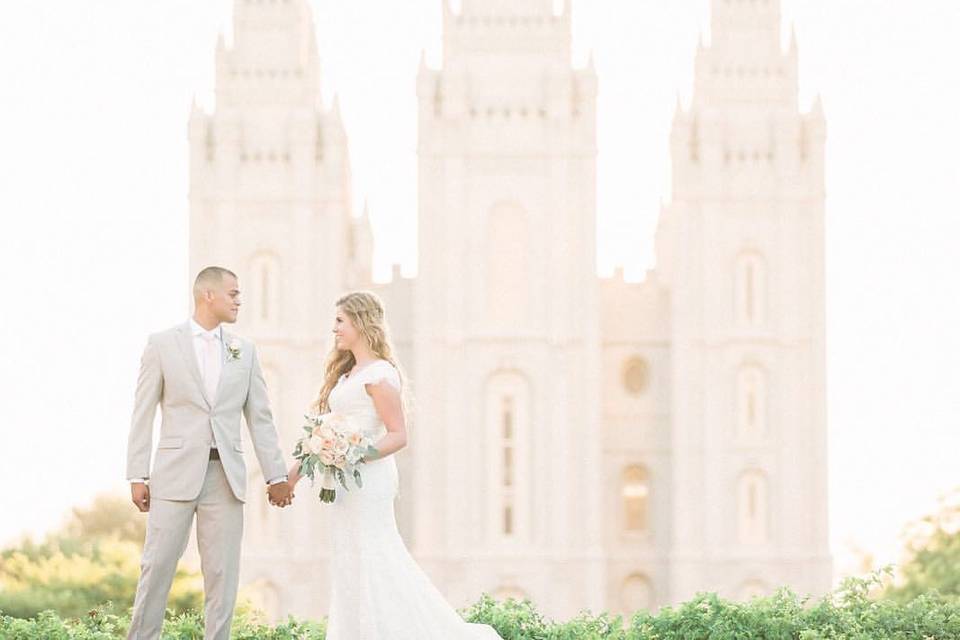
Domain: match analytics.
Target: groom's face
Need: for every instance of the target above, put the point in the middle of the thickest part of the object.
(225, 302)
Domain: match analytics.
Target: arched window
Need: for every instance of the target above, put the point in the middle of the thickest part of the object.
(635, 494)
(752, 508)
(507, 592)
(636, 375)
(508, 417)
(265, 596)
(751, 402)
(508, 447)
(265, 290)
(636, 593)
(750, 297)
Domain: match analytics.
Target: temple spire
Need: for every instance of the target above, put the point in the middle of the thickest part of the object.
(738, 23)
(745, 61)
(273, 57)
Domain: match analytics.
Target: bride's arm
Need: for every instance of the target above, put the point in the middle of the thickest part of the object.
(293, 476)
(386, 400)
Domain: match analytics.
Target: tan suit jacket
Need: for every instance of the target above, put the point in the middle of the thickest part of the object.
(169, 376)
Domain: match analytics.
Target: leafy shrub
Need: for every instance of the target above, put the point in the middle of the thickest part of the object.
(850, 613)
(94, 558)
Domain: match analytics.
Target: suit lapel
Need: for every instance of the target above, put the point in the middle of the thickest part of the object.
(225, 360)
(185, 342)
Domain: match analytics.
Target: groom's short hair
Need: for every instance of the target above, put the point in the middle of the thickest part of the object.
(210, 277)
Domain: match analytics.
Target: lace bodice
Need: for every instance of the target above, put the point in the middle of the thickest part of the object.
(350, 396)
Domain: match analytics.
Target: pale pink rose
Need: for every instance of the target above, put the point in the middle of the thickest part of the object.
(340, 448)
(327, 432)
(328, 443)
(355, 438)
(313, 444)
(326, 457)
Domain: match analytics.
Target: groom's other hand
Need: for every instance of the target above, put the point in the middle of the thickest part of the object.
(280, 494)
(140, 494)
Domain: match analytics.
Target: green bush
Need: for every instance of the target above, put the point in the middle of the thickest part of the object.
(93, 558)
(850, 613)
(932, 554)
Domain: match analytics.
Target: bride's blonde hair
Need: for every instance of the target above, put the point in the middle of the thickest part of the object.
(366, 312)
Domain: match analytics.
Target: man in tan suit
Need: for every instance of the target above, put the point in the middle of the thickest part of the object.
(203, 378)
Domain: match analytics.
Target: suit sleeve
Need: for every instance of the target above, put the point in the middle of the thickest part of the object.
(147, 397)
(263, 433)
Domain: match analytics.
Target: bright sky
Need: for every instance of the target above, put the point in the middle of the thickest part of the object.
(93, 248)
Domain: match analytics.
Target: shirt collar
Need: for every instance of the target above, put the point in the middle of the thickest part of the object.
(197, 330)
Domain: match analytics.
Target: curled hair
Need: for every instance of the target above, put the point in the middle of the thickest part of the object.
(366, 313)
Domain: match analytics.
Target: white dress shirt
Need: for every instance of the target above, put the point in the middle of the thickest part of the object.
(200, 337)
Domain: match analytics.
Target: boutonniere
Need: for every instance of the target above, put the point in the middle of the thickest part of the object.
(233, 349)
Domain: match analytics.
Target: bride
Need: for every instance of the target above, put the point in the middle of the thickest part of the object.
(378, 592)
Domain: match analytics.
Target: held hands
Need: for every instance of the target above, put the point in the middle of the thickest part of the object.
(280, 494)
(140, 494)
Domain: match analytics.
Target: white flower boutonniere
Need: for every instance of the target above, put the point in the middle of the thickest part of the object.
(233, 349)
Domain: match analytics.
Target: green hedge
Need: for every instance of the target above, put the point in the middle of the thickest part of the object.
(848, 614)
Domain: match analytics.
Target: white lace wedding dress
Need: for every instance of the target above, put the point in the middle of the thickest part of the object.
(377, 590)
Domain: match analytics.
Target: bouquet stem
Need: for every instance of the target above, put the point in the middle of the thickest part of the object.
(328, 490)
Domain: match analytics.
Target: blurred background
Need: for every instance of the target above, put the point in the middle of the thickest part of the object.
(94, 251)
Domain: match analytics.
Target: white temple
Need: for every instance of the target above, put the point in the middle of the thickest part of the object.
(581, 441)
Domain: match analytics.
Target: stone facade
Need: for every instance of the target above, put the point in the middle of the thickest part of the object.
(582, 441)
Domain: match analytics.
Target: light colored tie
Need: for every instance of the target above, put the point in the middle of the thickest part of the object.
(211, 366)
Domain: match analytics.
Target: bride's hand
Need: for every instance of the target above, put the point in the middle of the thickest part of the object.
(293, 476)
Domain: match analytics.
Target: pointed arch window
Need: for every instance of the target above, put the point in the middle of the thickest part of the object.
(636, 375)
(751, 589)
(752, 508)
(751, 402)
(508, 416)
(636, 594)
(508, 592)
(266, 596)
(635, 498)
(508, 448)
(265, 294)
(751, 290)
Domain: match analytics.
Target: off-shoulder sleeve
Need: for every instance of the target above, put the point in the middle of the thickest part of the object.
(380, 371)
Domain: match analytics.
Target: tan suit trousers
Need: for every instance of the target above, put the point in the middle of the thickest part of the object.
(219, 532)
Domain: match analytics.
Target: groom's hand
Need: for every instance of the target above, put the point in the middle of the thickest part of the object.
(140, 494)
(280, 494)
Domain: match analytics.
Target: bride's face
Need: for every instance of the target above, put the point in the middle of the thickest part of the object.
(345, 334)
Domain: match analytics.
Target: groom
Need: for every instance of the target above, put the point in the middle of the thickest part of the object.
(203, 378)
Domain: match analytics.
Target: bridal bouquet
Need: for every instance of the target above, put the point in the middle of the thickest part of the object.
(334, 447)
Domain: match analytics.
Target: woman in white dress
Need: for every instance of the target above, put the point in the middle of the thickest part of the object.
(377, 590)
